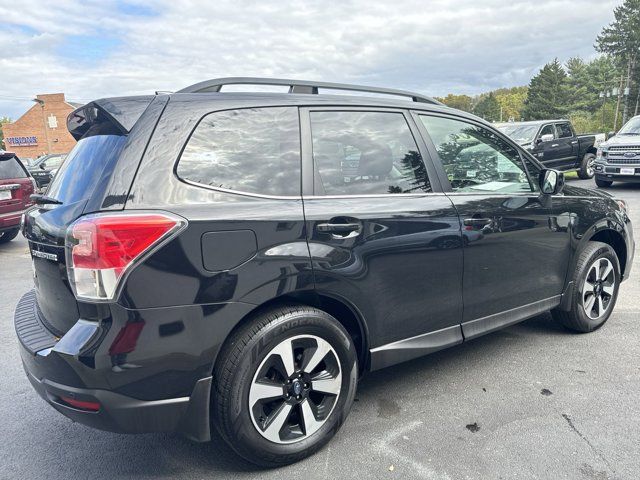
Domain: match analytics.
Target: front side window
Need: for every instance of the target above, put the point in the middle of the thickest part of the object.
(365, 153)
(547, 130)
(254, 150)
(564, 130)
(476, 159)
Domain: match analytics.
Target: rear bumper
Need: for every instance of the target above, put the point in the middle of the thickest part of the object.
(122, 414)
(9, 221)
(72, 367)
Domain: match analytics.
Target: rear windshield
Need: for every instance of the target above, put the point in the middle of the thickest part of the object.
(84, 166)
(10, 168)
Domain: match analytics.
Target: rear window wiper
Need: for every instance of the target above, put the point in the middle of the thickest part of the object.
(44, 200)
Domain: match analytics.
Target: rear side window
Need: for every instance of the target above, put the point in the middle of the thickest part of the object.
(254, 150)
(84, 166)
(11, 169)
(365, 153)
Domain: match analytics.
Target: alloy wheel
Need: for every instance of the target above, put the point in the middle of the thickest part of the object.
(598, 289)
(591, 167)
(295, 389)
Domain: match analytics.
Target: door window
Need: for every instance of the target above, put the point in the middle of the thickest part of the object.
(254, 150)
(564, 130)
(365, 153)
(475, 159)
(547, 130)
(53, 162)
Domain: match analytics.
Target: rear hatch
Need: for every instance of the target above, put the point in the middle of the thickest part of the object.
(101, 140)
(16, 185)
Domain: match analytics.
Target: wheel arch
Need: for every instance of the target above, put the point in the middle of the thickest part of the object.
(342, 310)
(591, 149)
(606, 231)
(615, 240)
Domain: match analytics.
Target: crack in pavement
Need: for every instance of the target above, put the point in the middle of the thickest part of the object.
(586, 440)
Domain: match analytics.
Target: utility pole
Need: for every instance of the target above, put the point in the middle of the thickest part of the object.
(615, 119)
(44, 123)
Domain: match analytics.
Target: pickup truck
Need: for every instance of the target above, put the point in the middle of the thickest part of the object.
(618, 159)
(555, 144)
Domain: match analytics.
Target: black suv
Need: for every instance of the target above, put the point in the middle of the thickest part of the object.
(239, 260)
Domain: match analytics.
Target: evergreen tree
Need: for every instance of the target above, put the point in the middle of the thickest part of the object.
(621, 39)
(488, 108)
(578, 82)
(549, 93)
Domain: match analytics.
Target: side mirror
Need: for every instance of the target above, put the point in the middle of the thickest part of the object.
(42, 166)
(547, 137)
(610, 134)
(551, 181)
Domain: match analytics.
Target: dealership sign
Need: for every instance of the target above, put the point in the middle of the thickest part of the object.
(21, 141)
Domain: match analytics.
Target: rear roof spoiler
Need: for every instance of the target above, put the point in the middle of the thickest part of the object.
(115, 116)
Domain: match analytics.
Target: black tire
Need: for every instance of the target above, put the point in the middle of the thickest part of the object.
(9, 235)
(576, 318)
(603, 183)
(241, 357)
(586, 171)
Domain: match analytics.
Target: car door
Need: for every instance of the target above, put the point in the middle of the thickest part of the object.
(382, 236)
(512, 257)
(548, 152)
(567, 146)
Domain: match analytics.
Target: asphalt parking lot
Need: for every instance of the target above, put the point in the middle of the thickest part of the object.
(531, 401)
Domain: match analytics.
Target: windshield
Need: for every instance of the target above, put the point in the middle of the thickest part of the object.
(519, 133)
(632, 127)
(83, 167)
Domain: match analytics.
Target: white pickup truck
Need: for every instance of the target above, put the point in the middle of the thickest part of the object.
(618, 159)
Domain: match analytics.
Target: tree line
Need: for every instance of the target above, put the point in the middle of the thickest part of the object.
(597, 95)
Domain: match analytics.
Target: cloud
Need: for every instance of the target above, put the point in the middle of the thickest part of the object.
(95, 49)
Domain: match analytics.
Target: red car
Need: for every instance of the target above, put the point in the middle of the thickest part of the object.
(16, 187)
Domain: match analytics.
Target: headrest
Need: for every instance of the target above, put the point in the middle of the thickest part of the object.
(376, 160)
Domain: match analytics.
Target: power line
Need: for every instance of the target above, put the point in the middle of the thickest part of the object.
(8, 97)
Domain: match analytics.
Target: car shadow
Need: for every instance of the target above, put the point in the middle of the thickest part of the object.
(172, 455)
(479, 349)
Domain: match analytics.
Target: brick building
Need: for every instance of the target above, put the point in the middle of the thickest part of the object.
(42, 129)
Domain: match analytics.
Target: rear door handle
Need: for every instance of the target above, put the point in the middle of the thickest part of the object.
(477, 222)
(555, 145)
(340, 230)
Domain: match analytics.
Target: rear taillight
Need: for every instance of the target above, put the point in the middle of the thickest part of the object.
(81, 404)
(102, 248)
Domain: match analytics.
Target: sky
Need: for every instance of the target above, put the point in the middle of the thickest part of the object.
(94, 49)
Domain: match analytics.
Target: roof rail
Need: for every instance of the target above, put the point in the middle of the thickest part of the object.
(300, 86)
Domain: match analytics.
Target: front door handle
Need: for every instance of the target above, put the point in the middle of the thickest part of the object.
(340, 230)
(477, 222)
(555, 145)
